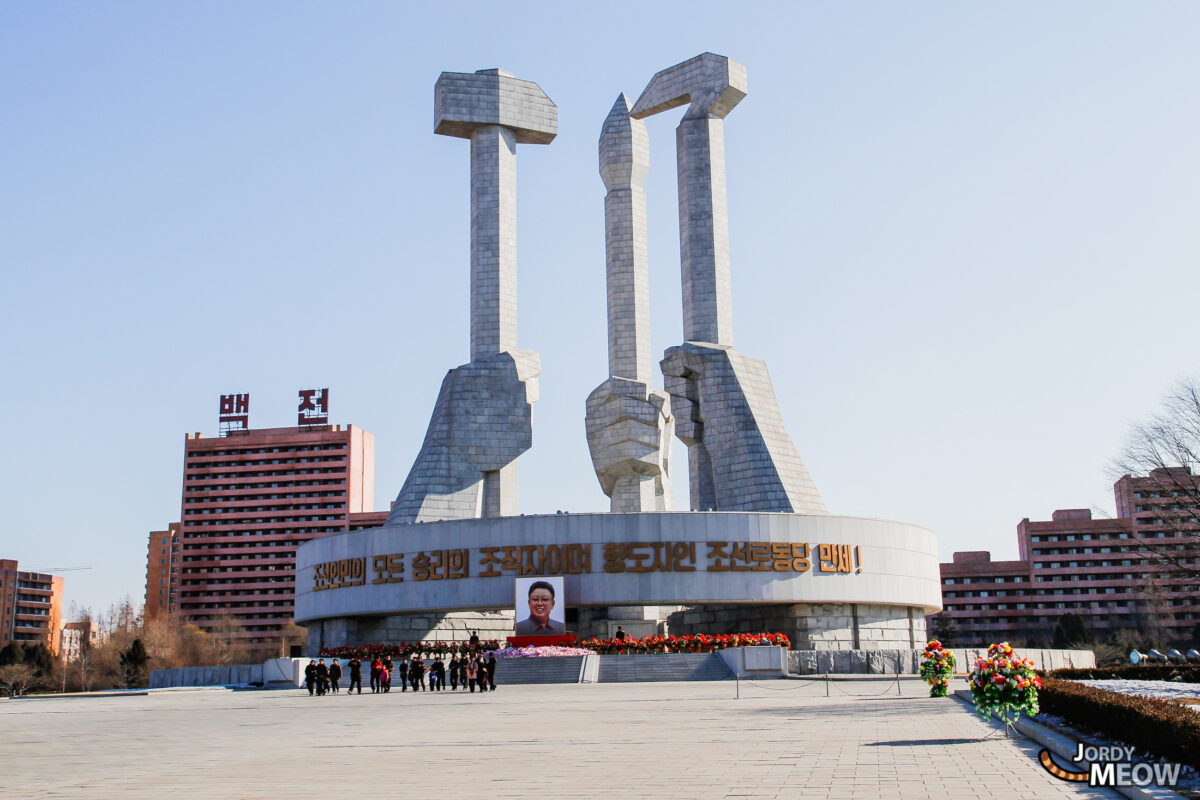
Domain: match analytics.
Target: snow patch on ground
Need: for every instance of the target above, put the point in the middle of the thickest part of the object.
(1163, 689)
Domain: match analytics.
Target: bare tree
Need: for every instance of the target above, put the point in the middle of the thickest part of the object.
(231, 643)
(1154, 615)
(1167, 449)
(16, 679)
(291, 634)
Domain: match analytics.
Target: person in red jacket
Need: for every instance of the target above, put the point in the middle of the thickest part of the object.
(376, 671)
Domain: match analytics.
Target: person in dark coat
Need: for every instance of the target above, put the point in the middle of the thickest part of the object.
(491, 666)
(416, 673)
(472, 673)
(335, 675)
(322, 677)
(462, 671)
(376, 671)
(355, 675)
(482, 679)
(403, 675)
(389, 666)
(439, 673)
(310, 676)
(453, 671)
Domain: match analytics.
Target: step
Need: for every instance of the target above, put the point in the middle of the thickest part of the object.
(663, 667)
(546, 669)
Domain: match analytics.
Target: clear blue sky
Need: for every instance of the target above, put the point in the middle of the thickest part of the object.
(964, 240)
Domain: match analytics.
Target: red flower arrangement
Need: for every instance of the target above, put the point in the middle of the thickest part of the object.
(690, 643)
(937, 665)
(1003, 685)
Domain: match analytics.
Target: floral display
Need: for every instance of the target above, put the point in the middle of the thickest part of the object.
(694, 643)
(937, 665)
(691, 643)
(537, 652)
(369, 652)
(1003, 685)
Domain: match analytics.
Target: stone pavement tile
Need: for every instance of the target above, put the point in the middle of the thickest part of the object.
(662, 740)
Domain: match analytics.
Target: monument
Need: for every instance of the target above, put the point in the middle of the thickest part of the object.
(757, 551)
(629, 423)
(483, 418)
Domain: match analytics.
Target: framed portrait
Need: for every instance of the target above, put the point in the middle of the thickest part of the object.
(540, 606)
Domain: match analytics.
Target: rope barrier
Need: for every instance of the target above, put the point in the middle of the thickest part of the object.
(827, 681)
(781, 688)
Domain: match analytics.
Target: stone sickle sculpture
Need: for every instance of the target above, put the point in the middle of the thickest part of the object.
(629, 423)
(483, 418)
(740, 456)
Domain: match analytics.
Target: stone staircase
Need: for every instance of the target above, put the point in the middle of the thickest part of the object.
(551, 669)
(663, 667)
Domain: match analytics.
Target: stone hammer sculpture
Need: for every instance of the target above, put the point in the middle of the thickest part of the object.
(483, 418)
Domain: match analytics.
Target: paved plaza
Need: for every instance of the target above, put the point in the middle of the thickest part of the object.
(781, 739)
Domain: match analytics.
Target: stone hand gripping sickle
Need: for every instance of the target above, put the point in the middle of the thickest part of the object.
(483, 419)
(740, 456)
(629, 423)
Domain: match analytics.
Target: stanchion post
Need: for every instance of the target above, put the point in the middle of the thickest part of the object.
(738, 686)
(827, 683)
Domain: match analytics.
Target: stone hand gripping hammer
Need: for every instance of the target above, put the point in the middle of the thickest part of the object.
(483, 419)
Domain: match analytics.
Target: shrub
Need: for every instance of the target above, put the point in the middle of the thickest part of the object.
(1140, 672)
(1162, 727)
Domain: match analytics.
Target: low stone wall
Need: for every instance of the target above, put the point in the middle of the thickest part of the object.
(274, 672)
(227, 675)
(908, 661)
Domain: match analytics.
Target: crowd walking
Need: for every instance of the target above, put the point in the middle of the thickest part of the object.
(466, 671)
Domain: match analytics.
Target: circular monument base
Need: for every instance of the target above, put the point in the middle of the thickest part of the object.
(826, 582)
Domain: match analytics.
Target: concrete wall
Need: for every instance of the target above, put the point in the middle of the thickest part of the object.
(273, 672)
(908, 661)
(811, 626)
(226, 675)
(756, 662)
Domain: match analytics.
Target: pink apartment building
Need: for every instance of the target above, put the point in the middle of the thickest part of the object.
(1107, 571)
(249, 498)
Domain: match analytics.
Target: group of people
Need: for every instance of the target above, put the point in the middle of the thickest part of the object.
(471, 671)
(321, 679)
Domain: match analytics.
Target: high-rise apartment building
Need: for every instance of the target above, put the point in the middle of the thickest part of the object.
(30, 606)
(163, 556)
(1113, 573)
(249, 498)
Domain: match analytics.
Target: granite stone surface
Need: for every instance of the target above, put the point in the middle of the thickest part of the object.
(767, 740)
(628, 422)
(740, 456)
(483, 416)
